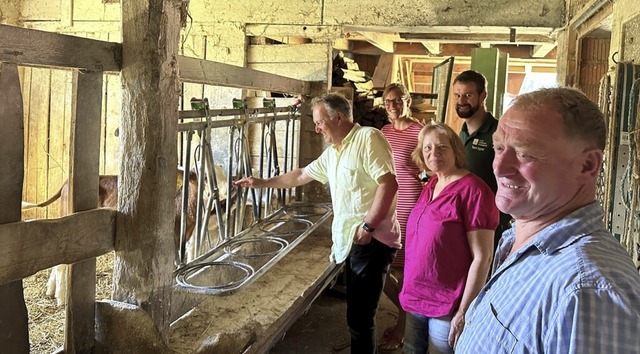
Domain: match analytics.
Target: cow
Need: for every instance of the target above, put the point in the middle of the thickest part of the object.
(108, 198)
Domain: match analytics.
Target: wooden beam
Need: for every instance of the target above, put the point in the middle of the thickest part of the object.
(478, 38)
(14, 333)
(541, 51)
(48, 242)
(84, 167)
(145, 247)
(381, 76)
(38, 48)
(432, 46)
(218, 74)
(587, 11)
(383, 41)
(450, 29)
(315, 32)
(111, 27)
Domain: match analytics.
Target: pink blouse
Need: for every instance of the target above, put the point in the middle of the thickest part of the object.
(438, 256)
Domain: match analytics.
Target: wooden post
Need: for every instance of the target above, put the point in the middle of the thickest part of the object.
(83, 182)
(14, 333)
(311, 145)
(144, 238)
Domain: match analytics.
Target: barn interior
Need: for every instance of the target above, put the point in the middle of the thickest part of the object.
(92, 88)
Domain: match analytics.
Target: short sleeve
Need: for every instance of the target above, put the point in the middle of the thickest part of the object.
(379, 155)
(480, 209)
(317, 169)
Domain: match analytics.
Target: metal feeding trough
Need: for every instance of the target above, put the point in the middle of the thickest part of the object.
(243, 258)
(218, 277)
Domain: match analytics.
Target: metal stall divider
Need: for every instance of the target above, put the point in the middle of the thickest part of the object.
(241, 252)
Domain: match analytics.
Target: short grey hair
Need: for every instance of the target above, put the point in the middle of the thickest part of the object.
(581, 117)
(334, 103)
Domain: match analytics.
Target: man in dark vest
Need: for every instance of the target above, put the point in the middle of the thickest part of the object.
(470, 93)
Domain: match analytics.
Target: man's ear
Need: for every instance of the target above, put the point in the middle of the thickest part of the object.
(483, 96)
(592, 162)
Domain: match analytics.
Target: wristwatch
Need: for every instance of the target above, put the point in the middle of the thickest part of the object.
(367, 227)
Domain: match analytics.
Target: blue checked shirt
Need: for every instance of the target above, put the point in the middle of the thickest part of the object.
(573, 289)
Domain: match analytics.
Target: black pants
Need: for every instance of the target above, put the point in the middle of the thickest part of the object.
(367, 266)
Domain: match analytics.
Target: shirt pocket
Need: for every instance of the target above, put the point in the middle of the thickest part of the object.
(501, 333)
(351, 175)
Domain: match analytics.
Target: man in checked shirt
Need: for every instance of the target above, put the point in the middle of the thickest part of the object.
(561, 283)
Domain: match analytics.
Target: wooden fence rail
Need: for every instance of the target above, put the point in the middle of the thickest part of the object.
(33, 246)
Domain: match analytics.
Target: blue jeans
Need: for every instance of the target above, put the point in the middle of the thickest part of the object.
(427, 335)
(367, 267)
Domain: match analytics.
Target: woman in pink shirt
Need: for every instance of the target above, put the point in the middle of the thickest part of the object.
(449, 244)
(402, 135)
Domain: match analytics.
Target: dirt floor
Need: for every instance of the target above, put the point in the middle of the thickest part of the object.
(317, 331)
(324, 325)
(46, 319)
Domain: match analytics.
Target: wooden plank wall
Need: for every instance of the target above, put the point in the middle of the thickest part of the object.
(47, 95)
(594, 63)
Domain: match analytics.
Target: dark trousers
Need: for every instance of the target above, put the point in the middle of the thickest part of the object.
(367, 266)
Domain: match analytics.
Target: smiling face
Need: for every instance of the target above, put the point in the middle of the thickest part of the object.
(325, 125)
(467, 99)
(540, 172)
(438, 153)
(395, 105)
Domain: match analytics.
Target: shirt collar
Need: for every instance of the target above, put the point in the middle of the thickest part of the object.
(484, 128)
(564, 232)
(347, 139)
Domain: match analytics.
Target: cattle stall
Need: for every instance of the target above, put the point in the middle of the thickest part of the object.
(145, 302)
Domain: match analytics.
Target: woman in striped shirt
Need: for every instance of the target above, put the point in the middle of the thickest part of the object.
(402, 135)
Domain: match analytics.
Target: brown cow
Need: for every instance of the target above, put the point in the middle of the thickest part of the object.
(108, 198)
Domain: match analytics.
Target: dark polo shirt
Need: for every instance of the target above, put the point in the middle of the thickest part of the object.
(479, 150)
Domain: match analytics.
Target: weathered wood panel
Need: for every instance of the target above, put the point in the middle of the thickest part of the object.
(302, 71)
(110, 142)
(594, 63)
(32, 47)
(45, 243)
(28, 195)
(145, 243)
(211, 73)
(38, 143)
(59, 120)
(14, 335)
(83, 179)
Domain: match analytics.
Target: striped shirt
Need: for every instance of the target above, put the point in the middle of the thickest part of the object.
(403, 142)
(572, 289)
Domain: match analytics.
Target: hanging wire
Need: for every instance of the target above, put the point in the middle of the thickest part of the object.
(630, 178)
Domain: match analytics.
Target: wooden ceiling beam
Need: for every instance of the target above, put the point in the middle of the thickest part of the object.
(432, 46)
(317, 33)
(541, 51)
(383, 41)
(494, 38)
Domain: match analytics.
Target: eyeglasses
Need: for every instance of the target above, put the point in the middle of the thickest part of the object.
(393, 101)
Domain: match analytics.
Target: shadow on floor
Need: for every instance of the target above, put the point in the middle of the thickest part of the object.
(324, 325)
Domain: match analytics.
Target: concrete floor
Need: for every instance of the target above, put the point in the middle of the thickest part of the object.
(324, 325)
